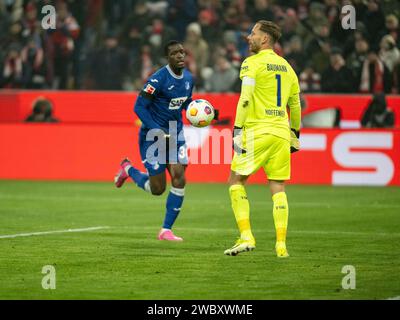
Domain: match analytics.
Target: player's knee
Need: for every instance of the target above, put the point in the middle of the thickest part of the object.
(179, 182)
(157, 190)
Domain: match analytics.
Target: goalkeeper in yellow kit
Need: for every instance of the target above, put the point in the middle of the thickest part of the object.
(263, 136)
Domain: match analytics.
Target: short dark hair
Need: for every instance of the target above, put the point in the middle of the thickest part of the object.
(168, 45)
(272, 29)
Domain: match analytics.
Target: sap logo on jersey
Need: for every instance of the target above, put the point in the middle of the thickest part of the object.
(176, 103)
(369, 165)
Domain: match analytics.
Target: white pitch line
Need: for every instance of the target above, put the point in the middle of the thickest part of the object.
(394, 298)
(51, 232)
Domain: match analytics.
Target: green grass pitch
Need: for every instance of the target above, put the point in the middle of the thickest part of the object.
(329, 227)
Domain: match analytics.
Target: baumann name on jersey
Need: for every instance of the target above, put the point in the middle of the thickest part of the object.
(276, 67)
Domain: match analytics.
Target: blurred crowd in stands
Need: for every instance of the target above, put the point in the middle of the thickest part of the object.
(117, 44)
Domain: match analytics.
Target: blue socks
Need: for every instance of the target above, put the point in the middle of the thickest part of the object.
(141, 179)
(174, 204)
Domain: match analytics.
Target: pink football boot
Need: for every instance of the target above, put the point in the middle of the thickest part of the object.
(121, 176)
(166, 234)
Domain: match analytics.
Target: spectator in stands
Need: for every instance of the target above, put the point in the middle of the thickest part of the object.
(241, 36)
(356, 59)
(337, 78)
(230, 50)
(261, 11)
(360, 33)
(224, 25)
(377, 114)
(294, 54)
(360, 6)
(61, 44)
(197, 49)
(115, 11)
(42, 111)
(319, 47)
(374, 21)
(393, 28)
(30, 21)
(13, 9)
(33, 65)
(142, 67)
(208, 20)
(337, 32)
(231, 17)
(374, 75)
(302, 8)
(316, 18)
(156, 35)
(291, 26)
(390, 56)
(11, 76)
(181, 14)
(332, 10)
(109, 65)
(132, 31)
(309, 79)
(223, 78)
(158, 8)
(14, 35)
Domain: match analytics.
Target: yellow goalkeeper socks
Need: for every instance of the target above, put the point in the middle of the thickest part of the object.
(241, 209)
(281, 215)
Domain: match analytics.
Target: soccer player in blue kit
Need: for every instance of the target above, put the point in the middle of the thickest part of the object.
(159, 106)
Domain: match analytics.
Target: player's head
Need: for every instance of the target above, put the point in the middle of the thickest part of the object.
(264, 35)
(175, 54)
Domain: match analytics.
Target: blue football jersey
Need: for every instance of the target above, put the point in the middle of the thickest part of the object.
(168, 93)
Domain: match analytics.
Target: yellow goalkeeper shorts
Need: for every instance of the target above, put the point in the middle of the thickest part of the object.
(267, 151)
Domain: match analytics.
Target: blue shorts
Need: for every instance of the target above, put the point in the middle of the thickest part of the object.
(156, 155)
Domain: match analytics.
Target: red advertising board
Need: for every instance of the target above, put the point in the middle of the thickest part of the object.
(117, 107)
(93, 152)
(97, 129)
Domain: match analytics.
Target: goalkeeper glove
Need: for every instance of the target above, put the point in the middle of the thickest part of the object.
(237, 140)
(294, 140)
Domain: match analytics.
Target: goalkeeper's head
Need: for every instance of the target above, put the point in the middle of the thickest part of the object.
(175, 54)
(264, 35)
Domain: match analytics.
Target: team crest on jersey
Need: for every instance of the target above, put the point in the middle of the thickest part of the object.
(187, 85)
(149, 89)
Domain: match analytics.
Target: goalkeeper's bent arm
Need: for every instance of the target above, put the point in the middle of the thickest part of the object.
(295, 122)
(248, 86)
(295, 111)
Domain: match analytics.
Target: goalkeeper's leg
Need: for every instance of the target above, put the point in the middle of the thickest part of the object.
(241, 210)
(281, 215)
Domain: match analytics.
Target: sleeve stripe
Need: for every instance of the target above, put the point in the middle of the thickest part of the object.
(146, 95)
(247, 81)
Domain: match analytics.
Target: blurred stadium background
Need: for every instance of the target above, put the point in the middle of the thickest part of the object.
(66, 120)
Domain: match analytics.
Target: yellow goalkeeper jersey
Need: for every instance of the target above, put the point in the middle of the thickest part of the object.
(274, 85)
